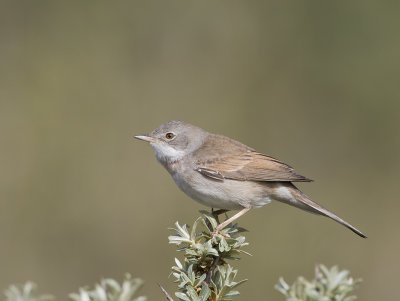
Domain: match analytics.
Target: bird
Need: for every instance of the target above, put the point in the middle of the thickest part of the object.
(220, 172)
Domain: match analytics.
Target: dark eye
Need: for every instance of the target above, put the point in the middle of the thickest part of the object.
(169, 136)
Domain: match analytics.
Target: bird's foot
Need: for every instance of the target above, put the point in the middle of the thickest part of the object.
(218, 231)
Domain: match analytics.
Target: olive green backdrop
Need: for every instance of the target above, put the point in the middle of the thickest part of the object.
(313, 83)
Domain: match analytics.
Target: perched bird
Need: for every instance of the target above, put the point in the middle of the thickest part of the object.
(220, 172)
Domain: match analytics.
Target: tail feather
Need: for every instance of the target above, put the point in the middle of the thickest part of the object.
(305, 203)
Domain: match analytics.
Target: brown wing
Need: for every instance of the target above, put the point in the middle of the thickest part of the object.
(230, 159)
(252, 166)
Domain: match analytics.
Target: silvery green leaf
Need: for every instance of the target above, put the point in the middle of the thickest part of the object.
(26, 292)
(182, 296)
(205, 234)
(182, 285)
(240, 239)
(244, 252)
(204, 293)
(223, 245)
(232, 294)
(214, 288)
(194, 228)
(283, 283)
(230, 273)
(191, 252)
(99, 293)
(72, 296)
(231, 241)
(174, 238)
(313, 294)
(338, 278)
(191, 274)
(236, 284)
(184, 248)
(185, 277)
(281, 290)
(212, 251)
(218, 281)
(182, 231)
(110, 290)
(201, 279)
(325, 270)
(330, 284)
(178, 263)
(210, 218)
(190, 291)
(176, 269)
(113, 283)
(83, 295)
(28, 288)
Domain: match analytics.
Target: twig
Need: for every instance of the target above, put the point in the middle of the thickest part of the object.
(165, 293)
(211, 270)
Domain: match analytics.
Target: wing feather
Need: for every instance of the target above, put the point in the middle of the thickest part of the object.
(253, 166)
(240, 162)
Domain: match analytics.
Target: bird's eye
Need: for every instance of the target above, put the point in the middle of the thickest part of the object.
(169, 136)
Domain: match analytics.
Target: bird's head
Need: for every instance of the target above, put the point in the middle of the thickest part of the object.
(173, 140)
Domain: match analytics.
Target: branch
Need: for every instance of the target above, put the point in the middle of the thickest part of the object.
(211, 271)
(204, 273)
(165, 293)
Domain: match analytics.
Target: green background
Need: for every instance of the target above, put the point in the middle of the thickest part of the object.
(313, 83)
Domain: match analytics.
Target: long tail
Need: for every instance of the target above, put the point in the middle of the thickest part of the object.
(303, 202)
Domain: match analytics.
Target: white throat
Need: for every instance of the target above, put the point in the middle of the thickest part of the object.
(165, 153)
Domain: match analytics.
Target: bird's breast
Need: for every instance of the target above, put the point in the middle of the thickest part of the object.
(227, 194)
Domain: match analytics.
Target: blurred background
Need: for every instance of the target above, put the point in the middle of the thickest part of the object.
(315, 84)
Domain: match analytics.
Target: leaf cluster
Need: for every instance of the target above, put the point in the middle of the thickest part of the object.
(328, 285)
(25, 292)
(106, 290)
(110, 290)
(205, 273)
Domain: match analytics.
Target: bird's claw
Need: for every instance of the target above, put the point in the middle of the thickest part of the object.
(219, 231)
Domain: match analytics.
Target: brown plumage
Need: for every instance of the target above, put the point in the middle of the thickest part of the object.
(240, 162)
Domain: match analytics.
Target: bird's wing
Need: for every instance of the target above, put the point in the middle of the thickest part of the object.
(248, 165)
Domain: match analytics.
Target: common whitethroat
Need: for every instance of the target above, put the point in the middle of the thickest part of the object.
(220, 172)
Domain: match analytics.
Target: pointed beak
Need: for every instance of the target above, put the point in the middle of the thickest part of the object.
(146, 138)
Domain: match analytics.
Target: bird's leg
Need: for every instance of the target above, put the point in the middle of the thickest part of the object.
(215, 214)
(230, 220)
(218, 212)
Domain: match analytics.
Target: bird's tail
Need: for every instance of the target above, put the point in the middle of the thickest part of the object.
(305, 203)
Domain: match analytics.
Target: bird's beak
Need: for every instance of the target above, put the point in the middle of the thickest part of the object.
(146, 138)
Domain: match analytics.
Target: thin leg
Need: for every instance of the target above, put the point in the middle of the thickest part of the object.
(229, 220)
